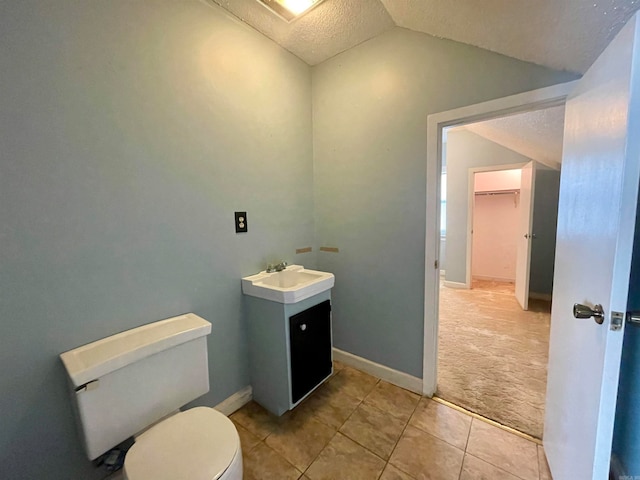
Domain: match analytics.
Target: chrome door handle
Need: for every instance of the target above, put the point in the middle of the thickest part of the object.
(582, 311)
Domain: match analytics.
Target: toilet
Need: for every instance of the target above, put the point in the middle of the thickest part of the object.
(133, 384)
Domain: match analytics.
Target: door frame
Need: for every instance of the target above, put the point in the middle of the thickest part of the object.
(471, 208)
(533, 100)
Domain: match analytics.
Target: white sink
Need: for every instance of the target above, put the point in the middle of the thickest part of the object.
(293, 284)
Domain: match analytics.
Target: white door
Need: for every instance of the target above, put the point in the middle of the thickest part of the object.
(523, 255)
(596, 220)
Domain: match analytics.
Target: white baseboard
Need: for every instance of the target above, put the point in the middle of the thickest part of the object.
(449, 284)
(616, 469)
(540, 296)
(396, 377)
(443, 273)
(235, 401)
(494, 279)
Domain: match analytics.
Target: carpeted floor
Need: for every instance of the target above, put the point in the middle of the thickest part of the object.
(492, 356)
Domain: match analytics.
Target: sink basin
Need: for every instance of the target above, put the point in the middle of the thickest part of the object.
(293, 284)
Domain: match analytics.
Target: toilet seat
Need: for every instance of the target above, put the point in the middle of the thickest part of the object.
(197, 444)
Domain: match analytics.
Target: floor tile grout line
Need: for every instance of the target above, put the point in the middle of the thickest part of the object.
(400, 437)
(518, 433)
(362, 401)
(466, 445)
(341, 425)
(407, 423)
(539, 469)
(495, 466)
(418, 427)
(363, 446)
(498, 466)
(464, 455)
(279, 455)
(319, 453)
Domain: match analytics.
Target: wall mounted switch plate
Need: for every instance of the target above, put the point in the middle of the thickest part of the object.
(241, 222)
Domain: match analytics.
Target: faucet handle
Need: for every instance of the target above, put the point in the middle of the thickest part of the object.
(276, 267)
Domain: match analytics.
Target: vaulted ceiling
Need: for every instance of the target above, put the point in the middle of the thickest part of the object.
(560, 34)
(537, 135)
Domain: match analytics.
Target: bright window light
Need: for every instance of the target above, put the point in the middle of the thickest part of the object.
(290, 9)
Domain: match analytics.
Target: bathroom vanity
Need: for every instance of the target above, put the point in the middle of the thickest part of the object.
(290, 344)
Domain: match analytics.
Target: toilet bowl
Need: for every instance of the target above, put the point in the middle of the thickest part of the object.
(132, 382)
(197, 444)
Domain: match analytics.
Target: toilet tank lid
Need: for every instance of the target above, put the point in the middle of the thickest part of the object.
(99, 358)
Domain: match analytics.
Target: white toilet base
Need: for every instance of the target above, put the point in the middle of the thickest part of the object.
(234, 472)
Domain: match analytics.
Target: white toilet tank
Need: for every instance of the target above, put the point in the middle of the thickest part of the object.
(122, 384)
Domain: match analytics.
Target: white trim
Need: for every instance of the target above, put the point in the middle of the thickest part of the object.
(460, 285)
(494, 279)
(471, 207)
(396, 377)
(527, 101)
(235, 401)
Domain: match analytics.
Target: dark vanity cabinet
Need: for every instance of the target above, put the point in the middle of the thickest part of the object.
(310, 347)
(290, 349)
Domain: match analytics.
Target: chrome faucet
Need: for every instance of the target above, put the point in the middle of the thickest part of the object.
(276, 268)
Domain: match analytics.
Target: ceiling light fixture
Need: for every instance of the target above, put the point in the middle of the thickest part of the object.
(289, 10)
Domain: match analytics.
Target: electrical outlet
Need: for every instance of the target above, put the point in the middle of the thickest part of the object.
(241, 222)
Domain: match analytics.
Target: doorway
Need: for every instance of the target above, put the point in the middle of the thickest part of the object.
(494, 234)
(492, 349)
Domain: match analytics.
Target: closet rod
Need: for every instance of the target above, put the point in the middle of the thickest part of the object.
(500, 192)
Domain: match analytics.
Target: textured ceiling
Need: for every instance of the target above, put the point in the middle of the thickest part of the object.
(561, 34)
(536, 135)
(332, 27)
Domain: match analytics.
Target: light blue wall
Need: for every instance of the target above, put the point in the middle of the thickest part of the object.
(130, 131)
(370, 107)
(626, 438)
(467, 150)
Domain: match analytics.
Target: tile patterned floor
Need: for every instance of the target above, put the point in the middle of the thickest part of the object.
(356, 427)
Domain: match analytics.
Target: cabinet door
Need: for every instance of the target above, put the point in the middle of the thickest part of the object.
(310, 337)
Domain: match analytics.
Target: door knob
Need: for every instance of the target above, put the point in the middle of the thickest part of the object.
(582, 311)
